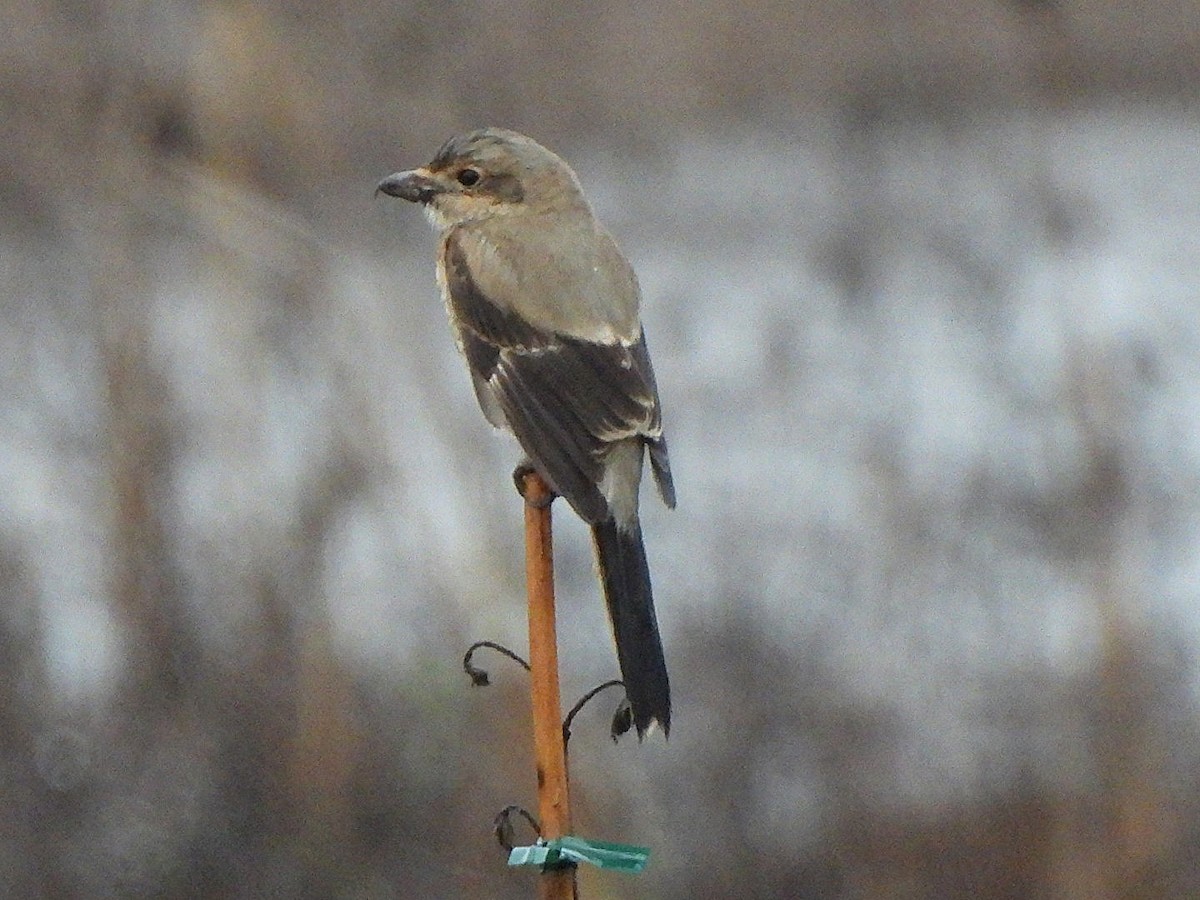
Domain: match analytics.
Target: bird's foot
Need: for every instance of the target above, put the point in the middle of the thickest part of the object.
(534, 491)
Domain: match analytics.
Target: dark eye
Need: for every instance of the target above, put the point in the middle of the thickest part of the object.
(468, 177)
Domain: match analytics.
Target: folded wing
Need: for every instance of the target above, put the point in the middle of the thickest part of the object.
(566, 399)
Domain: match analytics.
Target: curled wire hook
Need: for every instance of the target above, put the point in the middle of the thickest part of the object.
(622, 718)
(502, 825)
(478, 676)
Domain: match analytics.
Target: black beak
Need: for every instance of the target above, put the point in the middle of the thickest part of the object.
(415, 186)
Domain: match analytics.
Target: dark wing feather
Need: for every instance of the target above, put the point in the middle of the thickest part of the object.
(471, 309)
(552, 434)
(566, 400)
(660, 463)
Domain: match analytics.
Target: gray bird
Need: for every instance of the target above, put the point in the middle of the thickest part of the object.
(545, 309)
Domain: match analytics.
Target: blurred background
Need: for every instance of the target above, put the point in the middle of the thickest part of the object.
(921, 281)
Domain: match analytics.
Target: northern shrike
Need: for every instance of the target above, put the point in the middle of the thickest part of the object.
(545, 309)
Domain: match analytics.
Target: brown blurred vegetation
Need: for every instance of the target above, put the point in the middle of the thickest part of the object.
(235, 748)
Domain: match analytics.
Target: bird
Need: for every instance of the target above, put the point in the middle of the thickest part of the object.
(545, 309)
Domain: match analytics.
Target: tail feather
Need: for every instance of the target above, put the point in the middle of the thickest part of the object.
(625, 575)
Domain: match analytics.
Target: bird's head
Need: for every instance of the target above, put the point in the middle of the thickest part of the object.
(487, 173)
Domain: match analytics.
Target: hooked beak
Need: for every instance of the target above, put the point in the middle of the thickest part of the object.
(416, 186)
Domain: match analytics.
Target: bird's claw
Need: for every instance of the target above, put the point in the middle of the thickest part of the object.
(539, 499)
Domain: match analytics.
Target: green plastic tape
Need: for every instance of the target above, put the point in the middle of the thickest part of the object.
(573, 850)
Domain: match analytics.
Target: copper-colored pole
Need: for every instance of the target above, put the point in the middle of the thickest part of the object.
(554, 809)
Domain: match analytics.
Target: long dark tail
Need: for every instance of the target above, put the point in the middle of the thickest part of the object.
(626, 578)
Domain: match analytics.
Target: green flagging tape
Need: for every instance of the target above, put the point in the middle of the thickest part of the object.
(567, 850)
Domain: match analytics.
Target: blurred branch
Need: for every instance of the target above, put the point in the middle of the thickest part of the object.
(139, 438)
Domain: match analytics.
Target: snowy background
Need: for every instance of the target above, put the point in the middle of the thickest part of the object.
(922, 286)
